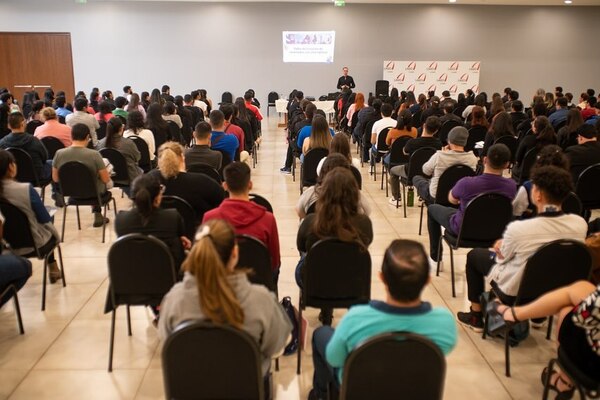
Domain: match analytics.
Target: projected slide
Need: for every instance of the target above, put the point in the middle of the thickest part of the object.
(308, 46)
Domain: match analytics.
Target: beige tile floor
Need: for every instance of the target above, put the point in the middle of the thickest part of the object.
(63, 354)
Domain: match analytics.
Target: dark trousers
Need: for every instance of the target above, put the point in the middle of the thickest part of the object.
(289, 158)
(395, 174)
(479, 264)
(14, 270)
(324, 373)
(422, 185)
(366, 147)
(438, 216)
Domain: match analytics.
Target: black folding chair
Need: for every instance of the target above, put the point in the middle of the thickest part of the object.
(101, 131)
(357, 176)
(254, 255)
(587, 187)
(271, 99)
(445, 184)
(202, 361)
(308, 170)
(554, 265)
(32, 126)
(145, 164)
(483, 223)
(414, 168)
(397, 157)
(52, 145)
(526, 165)
(586, 385)
(17, 232)
(25, 170)
(78, 182)
(445, 129)
(185, 211)
(12, 291)
(476, 134)
(377, 155)
(207, 170)
(225, 160)
(572, 204)
(261, 201)
(394, 365)
(120, 176)
(140, 271)
(227, 97)
(335, 274)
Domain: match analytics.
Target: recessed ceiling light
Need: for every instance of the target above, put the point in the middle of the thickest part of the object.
(568, 1)
(452, 1)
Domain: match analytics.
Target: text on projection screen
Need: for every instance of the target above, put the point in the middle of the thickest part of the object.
(308, 46)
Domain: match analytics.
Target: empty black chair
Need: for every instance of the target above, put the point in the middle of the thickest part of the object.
(12, 290)
(526, 165)
(476, 134)
(308, 171)
(445, 184)
(512, 144)
(414, 168)
(78, 182)
(335, 274)
(254, 255)
(397, 157)
(140, 271)
(587, 386)
(483, 223)
(202, 361)
(227, 97)
(395, 365)
(25, 170)
(271, 99)
(17, 233)
(185, 210)
(120, 175)
(207, 170)
(52, 145)
(377, 155)
(446, 127)
(145, 164)
(587, 187)
(261, 201)
(554, 265)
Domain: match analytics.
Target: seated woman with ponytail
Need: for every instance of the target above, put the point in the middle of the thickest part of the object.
(213, 290)
(148, 218)
(114, 140)
(203, 193)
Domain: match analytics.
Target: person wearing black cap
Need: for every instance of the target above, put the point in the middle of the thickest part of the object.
(586, 152)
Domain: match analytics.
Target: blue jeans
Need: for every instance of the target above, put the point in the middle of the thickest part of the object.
(422, 185)
(14, 270)
(298, 272)
(438, 216)
(324, 373)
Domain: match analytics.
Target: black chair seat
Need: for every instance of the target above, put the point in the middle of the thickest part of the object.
(452, 240)
(104, 197)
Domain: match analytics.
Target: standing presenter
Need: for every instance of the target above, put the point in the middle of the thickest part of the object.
(345, 81)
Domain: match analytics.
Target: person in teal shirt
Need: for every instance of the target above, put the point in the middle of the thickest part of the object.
(404, 272)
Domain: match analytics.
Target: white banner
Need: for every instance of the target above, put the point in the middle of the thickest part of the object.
(423, 76)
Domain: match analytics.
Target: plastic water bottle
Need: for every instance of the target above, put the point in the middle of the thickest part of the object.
(410, 198)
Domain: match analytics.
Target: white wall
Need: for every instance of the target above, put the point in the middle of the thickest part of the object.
(235, 46)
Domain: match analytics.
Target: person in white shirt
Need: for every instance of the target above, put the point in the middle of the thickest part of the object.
(386, 122)
(81, 116)
(135, 125)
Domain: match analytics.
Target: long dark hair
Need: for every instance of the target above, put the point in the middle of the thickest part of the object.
(135, 121)
(145, 189)
(6, 159)
(134, 102)
(502, 125)
(154, 119)
(574, 120)
(243, 112)
(404, 122)
(544, 132)
(113, 130)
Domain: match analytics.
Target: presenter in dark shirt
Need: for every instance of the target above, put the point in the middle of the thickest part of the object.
(345, 80)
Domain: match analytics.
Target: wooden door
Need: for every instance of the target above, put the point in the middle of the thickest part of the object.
(36, 60)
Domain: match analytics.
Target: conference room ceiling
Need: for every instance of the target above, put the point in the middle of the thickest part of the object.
(458, 2)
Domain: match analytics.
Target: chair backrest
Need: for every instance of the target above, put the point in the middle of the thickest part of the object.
(17, 231)
(510, 142)
(272, 98)
(118, 162)
(554, 265)
(139, 267)
(416, 118)
(382, 146)
(142, 147)
(77, 180)
(175, 132)
(447, 181)
(309, 166)
(476, 134)
(52, 145)
(225, 159)
(572, 204)
(185, 210)
(416, 161)
(397, 155)
(587, 187)
(446, 127)
(207, 170)
(203, 361)
(527, 164)
(32, 126)
(261, 201)
(485, 218)
(101, 131)
(392, 366)
(254, 255)
(357, 175)
(227, 97)
(25, 170)
(336, 274)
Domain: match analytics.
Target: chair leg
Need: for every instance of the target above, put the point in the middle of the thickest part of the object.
(18, 311)
(405, 199)
(485, 326)
(44, 279)
(382, 175)
(112, 340)
(115, 205)
(294, 169)
(299, 362)
(43, 193)
(128, 321)
(78, 219)
(550, 323)
(62, 236)
(62, 266)
(387, 185)
(507, 352)
(437, 272)
(548, 376)
(421, 219)
(452, 271)
(277, 364)
(104, 223)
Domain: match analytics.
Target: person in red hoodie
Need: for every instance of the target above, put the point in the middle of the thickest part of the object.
(248, 218)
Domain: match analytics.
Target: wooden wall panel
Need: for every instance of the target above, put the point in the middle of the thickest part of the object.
(36, 59)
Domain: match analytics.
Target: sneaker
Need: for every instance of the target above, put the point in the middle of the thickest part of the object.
(393, 201)
(286, 171)
(433, 266)
(471, 319)
(54, 272)
(326, 316)
(98, 220)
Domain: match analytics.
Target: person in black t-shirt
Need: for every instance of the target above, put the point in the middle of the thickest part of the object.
(345, 80)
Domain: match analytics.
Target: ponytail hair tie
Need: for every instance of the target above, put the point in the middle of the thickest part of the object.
(204, 232)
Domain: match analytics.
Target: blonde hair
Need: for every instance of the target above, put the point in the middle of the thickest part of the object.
(170, 155)
(48, 113)
(207, 262)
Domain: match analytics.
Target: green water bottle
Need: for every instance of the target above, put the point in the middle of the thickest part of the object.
(410, 198)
